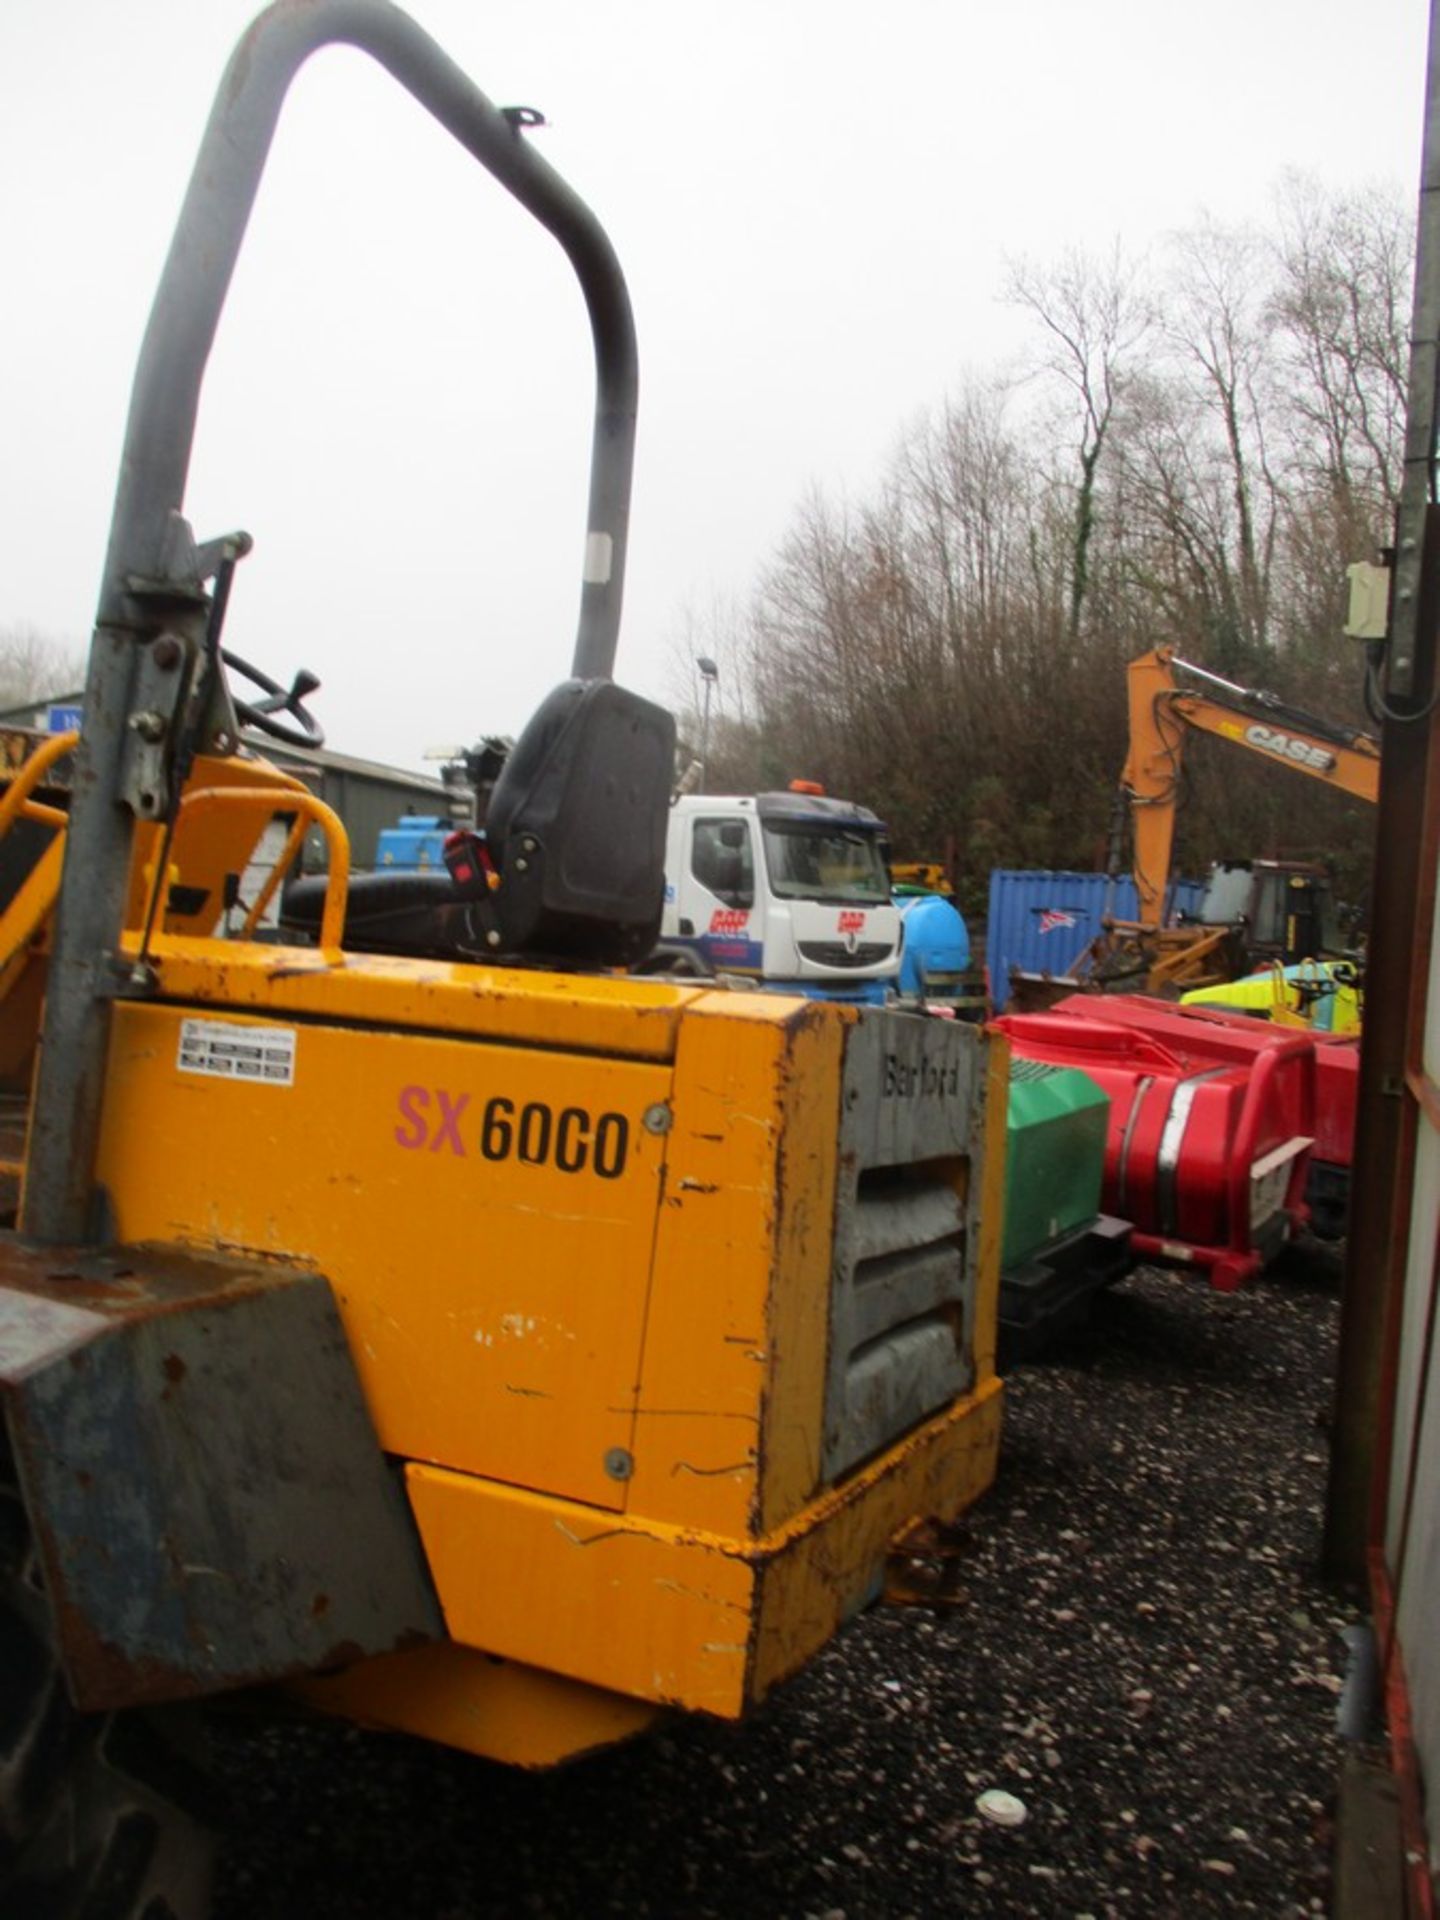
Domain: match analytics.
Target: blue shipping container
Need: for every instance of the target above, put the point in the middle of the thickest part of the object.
(1043, 922)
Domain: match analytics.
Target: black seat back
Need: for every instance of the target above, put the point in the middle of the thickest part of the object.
(576, 827)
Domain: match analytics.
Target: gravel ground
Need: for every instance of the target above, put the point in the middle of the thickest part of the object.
(1142, 1653)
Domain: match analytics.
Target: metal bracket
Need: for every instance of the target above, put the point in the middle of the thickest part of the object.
(162, 676)
(210, 557)
(179, 582)
(164, 673)
(219, 730)
(219, 725)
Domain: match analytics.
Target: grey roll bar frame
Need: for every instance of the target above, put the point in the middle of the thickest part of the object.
(153, 581)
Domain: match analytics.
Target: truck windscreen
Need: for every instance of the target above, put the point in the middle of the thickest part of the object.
(809, 862)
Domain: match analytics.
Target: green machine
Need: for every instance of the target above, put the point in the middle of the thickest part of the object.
(1058, 1249)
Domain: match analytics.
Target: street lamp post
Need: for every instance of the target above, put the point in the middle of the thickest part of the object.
(709, 673)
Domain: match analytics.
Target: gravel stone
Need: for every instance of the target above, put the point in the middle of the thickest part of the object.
(1145, 1654)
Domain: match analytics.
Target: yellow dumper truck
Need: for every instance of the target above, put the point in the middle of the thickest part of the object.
(420, 1315)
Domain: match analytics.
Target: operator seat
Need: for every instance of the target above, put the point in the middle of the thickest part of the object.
(576, 827)
(575, 834)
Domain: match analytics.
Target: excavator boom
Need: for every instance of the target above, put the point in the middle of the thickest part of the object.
(1165, 710)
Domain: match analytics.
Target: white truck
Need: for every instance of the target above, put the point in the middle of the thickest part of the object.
(791, 889)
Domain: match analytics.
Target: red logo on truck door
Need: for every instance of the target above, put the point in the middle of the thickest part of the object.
(729, 920)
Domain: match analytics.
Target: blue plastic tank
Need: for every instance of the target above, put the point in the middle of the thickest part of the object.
(936, 953)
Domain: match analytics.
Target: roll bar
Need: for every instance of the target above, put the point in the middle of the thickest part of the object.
(197, 273)
(153, 609)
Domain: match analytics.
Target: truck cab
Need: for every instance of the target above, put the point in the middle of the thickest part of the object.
(789, 888)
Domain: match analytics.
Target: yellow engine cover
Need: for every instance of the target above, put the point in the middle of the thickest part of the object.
(677, 1303)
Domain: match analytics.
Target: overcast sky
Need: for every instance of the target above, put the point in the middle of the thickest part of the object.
(813, 201)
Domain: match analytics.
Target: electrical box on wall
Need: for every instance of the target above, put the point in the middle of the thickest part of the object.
(1369, 616)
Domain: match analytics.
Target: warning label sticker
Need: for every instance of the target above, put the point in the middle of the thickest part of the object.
(227, 1051)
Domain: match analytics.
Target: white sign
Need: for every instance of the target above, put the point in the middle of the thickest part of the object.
(226, 1050)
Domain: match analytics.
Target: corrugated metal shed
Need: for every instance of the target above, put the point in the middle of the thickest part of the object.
(368, 795)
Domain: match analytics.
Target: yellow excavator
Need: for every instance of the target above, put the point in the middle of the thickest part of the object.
(1258, 913)
(418, 1316)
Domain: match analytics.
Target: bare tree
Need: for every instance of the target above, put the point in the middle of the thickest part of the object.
(948, 645)
(1215, 323)
(1341, 308)
(37, 666)
(1095, 316)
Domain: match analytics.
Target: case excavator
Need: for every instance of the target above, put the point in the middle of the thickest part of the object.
(1255, 913)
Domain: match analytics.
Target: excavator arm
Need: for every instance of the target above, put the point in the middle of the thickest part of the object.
(1164, 710)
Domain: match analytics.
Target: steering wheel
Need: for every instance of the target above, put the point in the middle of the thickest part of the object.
(302, 729)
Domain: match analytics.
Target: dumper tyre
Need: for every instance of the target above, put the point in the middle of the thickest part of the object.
(102, 1816)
